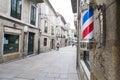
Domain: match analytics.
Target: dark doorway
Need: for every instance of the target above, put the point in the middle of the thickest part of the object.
(52, 44)
(31, 43)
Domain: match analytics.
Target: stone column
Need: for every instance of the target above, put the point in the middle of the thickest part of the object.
(1, 42)
(25, 43)
(116, 46)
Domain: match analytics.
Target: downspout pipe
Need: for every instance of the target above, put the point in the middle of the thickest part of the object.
(78, 30)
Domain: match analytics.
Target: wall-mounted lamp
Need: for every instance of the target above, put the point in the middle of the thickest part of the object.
(25, 28)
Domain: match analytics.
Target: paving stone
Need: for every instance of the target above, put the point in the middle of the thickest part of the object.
(64, 76)
(53, 65)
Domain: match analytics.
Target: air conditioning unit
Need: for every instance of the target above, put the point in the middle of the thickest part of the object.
(87, 45)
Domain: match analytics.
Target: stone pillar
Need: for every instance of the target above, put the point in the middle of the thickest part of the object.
(22, 43)
(116, 47)
(25, 43)
(1, 42)
(36, 42)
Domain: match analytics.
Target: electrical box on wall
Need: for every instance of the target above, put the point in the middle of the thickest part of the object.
(87, 45)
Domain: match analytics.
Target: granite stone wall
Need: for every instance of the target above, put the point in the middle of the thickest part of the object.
(105, 60)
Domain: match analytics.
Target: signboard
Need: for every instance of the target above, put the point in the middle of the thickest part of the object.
(11, 30)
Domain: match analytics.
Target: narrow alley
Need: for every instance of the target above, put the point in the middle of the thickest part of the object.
(53, 65)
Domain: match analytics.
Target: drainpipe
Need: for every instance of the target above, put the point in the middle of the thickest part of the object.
(78, 30)
(39, 32)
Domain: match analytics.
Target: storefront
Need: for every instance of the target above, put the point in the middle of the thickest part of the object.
(16, 43)
(12, 42)
(31, 43)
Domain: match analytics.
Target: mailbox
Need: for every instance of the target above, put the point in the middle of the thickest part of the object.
(87, 45)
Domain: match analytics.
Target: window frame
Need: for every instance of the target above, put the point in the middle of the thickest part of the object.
(52, 30)
(17, 45)
(45, 27)
(45, 42)
(33, 14)
(14, 5)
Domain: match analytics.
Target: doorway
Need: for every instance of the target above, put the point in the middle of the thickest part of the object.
(31, 43)
(52, 44)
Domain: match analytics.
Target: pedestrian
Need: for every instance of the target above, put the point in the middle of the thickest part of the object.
(57, 46)
(72, 44)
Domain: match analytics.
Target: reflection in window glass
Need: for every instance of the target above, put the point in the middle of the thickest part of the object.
(52, 30)
(33, 15)
(45, 27)
(11, 43)
(16, 8)
(86, 59)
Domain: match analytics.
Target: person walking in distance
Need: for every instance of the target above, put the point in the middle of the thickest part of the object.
(57, 46)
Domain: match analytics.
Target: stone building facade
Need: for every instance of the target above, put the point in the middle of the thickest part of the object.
(105, 65)
(18, 29)
(48, 23)
(104, 61)
(61, 30)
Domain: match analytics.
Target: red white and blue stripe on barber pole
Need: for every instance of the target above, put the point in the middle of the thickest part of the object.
(87, 24)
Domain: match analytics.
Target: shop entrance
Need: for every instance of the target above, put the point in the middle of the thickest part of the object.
(52, 44)
(31, 43)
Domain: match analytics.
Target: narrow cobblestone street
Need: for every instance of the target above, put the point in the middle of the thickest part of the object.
(53, 65)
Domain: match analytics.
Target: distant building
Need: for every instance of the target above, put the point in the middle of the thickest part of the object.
(61, 30)
(74, 35)
(48, 23)
(67, 27)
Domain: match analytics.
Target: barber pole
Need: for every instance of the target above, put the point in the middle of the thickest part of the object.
(87, 24)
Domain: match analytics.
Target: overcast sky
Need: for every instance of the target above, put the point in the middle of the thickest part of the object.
(64, 7)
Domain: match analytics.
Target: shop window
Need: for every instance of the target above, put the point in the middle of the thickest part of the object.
(16, 7)
(33, 15)
(11, 43)
(45, 41)
(86, 59)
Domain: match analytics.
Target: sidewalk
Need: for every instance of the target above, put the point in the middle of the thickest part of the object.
(53, 65)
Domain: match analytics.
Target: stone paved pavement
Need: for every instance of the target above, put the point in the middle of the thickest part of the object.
(53, 65)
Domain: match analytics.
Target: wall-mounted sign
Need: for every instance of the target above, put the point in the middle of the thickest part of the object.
(25, 28)
(11, 30)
